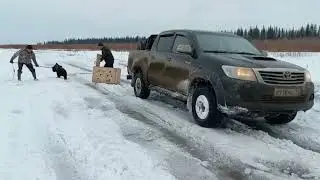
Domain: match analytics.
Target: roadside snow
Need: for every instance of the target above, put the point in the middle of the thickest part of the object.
(47, 131)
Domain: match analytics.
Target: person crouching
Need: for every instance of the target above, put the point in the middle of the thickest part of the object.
(106, 55)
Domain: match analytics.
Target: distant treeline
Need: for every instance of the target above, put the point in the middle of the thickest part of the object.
(126, 39)
(266, 33)
(252, 33)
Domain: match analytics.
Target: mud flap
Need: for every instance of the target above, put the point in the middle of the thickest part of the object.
(189, 101)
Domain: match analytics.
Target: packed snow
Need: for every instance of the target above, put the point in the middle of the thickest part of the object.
(75, 129)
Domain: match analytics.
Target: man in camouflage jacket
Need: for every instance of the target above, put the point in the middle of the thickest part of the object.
(25, 56)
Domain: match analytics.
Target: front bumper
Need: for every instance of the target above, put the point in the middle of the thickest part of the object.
(258, 97)
(129, 77)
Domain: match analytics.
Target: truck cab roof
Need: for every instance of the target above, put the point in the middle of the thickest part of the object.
(194, 31)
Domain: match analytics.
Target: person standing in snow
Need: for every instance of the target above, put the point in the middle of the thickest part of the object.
(106, 55)
(25, 56)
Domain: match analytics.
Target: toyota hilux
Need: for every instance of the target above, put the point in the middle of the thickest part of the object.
(220, 74)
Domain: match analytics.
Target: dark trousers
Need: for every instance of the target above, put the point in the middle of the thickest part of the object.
(109, 64)
(29, 66)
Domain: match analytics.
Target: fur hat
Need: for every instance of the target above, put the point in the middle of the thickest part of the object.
(29, 47)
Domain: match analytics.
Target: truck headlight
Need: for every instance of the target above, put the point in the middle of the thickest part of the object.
(307, 77)
(239, 73)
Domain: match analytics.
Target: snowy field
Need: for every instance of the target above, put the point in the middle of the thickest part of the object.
(75, 130)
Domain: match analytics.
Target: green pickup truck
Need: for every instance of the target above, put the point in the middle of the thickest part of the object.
(220, 74)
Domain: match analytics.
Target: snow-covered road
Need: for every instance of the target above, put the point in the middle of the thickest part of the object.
(56, 129)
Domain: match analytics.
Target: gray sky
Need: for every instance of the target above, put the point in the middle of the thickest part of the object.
(30, 21)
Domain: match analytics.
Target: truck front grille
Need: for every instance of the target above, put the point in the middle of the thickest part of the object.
(282, 78)
(271, 99)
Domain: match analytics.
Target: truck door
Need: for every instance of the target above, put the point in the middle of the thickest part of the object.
(177, 68)
(158, 57)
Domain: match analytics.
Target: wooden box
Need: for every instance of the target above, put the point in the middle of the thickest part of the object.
(106, 75)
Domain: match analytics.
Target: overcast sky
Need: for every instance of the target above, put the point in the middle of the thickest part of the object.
(31, 21)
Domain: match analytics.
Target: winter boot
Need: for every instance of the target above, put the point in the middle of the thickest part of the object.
(34, 75)
(19, 76)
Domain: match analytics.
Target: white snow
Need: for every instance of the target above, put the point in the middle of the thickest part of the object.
(48, 131)
(56, 129)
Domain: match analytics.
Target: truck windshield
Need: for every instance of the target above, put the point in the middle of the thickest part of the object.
(225, 44)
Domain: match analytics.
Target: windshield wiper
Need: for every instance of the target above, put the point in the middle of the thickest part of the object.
(244, 53)
(216, 51)
(231, 52)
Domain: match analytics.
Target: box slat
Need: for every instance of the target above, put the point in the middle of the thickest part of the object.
(106, 75)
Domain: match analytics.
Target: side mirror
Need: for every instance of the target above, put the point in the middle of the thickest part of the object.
(265, 53)
(184, 48)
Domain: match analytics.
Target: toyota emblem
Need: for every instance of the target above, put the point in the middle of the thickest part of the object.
(286, 75)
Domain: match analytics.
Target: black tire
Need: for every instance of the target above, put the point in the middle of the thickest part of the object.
(143, 92)
(281, 118)
(213, 117)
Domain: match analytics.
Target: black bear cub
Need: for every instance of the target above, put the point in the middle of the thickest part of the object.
(60, 71)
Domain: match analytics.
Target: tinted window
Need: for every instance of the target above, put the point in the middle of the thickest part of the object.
(212, 42)
(165, 43)
(180, 40)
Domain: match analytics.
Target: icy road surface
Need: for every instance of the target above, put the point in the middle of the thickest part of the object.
(56, 129)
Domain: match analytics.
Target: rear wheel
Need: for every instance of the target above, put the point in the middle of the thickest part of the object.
(140, 88)
(204, 108)
(281, 118)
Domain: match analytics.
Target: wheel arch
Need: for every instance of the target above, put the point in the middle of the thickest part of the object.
(140, 67)
(213, 120)
(201, 82)
(136, 69)
(213, 83)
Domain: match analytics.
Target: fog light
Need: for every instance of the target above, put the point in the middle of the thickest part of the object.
(311, 97)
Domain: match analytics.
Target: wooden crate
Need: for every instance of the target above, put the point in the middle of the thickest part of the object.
(106, 75)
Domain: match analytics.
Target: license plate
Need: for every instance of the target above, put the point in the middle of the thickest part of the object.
(286, 92)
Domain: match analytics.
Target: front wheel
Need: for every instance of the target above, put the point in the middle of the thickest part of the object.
(281, 118)
(204, 108)
(140, 88)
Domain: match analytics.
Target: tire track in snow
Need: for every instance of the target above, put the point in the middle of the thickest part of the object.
(62, 161)
(293, 167)
(304, 137)
(228, 166)
(61, 158)
(170, 136)
(140, 129)
(287, 166)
